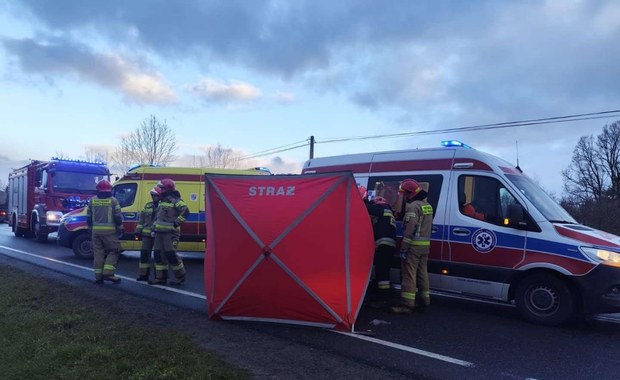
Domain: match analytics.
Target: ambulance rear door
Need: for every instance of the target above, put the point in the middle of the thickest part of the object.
(386, 186)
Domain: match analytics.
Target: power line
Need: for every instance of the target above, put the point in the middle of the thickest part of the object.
(509, 124)
(276, 149)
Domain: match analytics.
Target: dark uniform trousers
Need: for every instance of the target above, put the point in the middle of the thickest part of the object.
(166, 247)
(148, 242)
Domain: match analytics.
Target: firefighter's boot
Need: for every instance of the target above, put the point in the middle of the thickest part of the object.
(113, 279)
(144, 266)
(177, 268)
(401, 309)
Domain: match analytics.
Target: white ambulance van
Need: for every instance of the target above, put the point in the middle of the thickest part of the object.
(519, 246)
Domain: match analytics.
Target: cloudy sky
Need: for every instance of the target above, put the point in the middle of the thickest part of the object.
(255, 75)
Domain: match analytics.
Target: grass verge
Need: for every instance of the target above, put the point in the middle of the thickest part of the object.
(49, 330)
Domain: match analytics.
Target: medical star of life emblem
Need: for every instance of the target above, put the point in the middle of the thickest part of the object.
(484, 240)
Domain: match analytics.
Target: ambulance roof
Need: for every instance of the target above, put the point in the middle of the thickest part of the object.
(452, 154)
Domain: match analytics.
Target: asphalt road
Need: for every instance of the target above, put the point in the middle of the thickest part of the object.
(454, 339)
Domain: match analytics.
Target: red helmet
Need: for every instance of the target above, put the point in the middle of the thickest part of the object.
(380, 200)
(104, 186)
(156, 191)
(409, 185)
(363, 191)
(166, 185)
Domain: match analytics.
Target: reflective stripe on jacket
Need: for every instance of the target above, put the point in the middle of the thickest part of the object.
(103, 215)
(171, 213)
(147, 218)
(418, 224)
(384, 224)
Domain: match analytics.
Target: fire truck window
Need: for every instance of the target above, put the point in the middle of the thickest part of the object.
(43, 179)
(125, 193)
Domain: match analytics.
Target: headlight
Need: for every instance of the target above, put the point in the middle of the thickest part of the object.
(602, 255)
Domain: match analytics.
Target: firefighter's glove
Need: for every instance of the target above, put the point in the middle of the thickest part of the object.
(403, 253)
(119, 232)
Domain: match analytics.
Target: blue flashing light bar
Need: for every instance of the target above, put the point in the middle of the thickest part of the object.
(78, 161)
(452, 143)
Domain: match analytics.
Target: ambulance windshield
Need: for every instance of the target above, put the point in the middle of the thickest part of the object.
(543, 202)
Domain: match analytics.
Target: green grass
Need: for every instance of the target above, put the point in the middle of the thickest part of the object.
(49, 330)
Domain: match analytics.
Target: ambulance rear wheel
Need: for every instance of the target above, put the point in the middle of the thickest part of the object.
(82, 246)
(545, 299)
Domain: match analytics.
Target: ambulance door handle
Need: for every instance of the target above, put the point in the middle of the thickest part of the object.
(434, 230)
(461, 232)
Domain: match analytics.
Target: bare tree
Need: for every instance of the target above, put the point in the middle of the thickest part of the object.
(153, 143)
(219, 157)
(592, 181)
(608, 151)
(120, 160)
(96, 153)
(585, 178)
(60, 155)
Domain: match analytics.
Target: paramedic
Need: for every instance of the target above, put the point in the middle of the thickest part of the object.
(470, 209)
(106, 224)
(171, 213)
(415, 247)
(143, 232)
(384, 229)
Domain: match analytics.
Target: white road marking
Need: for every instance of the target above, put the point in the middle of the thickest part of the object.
(408, 349)
(89, 269)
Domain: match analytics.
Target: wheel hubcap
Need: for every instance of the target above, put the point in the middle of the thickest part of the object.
(543, 300)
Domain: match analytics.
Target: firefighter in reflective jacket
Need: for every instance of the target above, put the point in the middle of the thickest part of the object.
(143, 232)
(105, 221)
(384, 228)
(171, 213)
(415, 247)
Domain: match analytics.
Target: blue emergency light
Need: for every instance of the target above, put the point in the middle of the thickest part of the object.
(451, 143)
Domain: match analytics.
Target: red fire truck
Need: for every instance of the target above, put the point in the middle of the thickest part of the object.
(42, 191)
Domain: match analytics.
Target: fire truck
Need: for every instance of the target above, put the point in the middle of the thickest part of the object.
(42, 191)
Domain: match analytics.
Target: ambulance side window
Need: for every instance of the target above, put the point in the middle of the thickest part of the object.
(387, 187)
(484, 198)
(125, 193)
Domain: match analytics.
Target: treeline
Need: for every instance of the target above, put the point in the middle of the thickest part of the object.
(592, 180)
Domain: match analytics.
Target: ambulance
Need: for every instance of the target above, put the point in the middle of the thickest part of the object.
(133, 191)
(519, 247)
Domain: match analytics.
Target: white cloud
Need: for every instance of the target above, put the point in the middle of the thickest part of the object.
(136, 81)
(211, 90)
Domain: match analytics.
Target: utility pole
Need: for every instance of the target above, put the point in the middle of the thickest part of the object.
(311, 147)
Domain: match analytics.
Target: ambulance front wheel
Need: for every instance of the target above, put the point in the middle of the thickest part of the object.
(545, 299)
(82, 246)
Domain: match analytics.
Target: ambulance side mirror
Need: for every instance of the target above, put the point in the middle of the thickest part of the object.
(516, 216)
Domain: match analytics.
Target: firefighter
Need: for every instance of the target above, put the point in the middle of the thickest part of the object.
(384, 228)
(415, 247)
(105, 221)
(171, 213)
(143, 232)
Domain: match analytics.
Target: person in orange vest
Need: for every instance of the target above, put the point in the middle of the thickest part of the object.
(143, 233)
(103, 216)
(470, 209)
(415, 247)
(384, 229)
